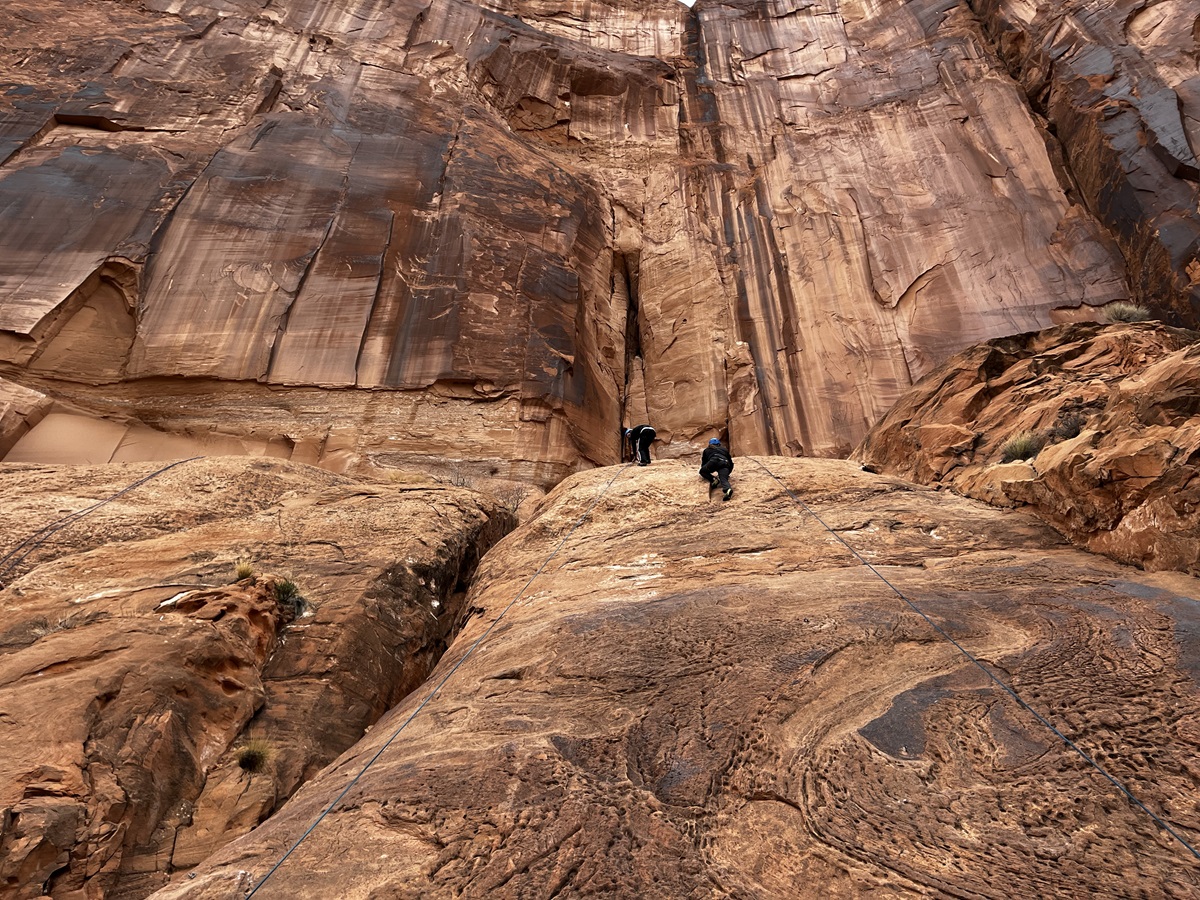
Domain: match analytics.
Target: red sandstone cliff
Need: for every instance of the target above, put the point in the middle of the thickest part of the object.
(350, 233)
(476, 239)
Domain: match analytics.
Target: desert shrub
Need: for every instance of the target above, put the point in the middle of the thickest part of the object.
(1125, 312)
(286, 591)
(1024, 445)
(511, 498)
(254, 755)
(243, 570)
(287, 594)
(41, 626)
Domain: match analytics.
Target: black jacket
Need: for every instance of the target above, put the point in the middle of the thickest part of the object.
(635, 433)
(719, 456)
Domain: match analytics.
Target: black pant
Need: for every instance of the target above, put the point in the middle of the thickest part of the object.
(641, 449)
(717, 467)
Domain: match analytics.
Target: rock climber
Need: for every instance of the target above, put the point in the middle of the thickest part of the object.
(640, 437)
(715, 466)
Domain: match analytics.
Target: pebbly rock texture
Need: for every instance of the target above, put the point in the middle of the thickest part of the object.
(1115, 412)
(705, 699)
(1119, 83)
(135, 679)
(353, 233)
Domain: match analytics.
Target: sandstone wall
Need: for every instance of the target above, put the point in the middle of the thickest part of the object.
(1120, 86)
(374, 234)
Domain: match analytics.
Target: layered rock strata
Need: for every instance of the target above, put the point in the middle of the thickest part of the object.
(352, 233)
(1120, 86)
(1112, 418)
(150, 709)
(697, 698)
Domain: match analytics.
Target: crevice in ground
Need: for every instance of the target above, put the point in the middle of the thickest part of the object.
(410, 614)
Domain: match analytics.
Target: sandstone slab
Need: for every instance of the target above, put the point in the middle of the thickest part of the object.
(697, 698)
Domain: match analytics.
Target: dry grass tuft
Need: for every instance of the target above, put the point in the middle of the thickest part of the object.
(1025, 445)
(254, 755)
(1125, 312)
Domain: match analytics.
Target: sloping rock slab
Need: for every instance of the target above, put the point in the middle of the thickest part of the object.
(705, 699)
(134, 675)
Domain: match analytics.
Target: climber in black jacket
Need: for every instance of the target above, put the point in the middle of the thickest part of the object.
(640, 439)
(715, 466)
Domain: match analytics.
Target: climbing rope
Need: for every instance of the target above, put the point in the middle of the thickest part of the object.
(986, 671)
(15, 556)
(445, 678)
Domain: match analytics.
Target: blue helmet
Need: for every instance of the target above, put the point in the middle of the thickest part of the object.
(713, 442)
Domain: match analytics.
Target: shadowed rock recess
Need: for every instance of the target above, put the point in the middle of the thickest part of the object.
(355, 233)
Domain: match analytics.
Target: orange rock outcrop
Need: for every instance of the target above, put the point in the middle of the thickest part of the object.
(1113, 413)
(135, 676)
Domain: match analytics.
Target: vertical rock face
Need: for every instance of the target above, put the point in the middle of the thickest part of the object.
(904, 202)
(396, 233)
(1120, 85)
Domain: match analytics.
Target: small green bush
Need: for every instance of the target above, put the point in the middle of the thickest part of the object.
(1024, 445)
(287, 594)
(286, 591)
(254, 755)
(1125, 312)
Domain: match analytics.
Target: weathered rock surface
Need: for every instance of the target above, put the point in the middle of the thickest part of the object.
(707, 699)
(133, 674)
(20, 410)
(1118, 410)
(1120, 85)
(352, 233)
